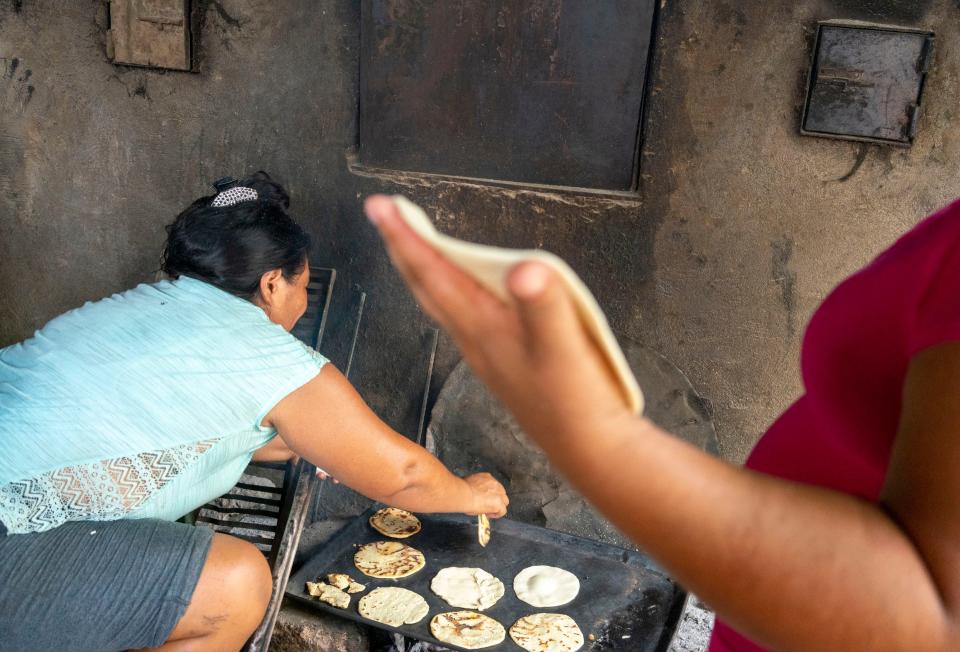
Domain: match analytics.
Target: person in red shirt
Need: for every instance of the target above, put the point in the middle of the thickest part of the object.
(842, 531)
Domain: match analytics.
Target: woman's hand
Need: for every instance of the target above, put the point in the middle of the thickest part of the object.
(489, 496)
(777, 559)
(533, 352)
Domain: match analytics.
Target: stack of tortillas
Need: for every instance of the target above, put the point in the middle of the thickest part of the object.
(467, 629)
(547, 633)
(490, 265)
(393, 606)
(388, 559)
(396, 523)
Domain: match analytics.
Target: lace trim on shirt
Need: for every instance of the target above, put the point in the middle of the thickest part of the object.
(99, 491)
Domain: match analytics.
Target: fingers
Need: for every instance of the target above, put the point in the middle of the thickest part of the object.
(489, 496)
(323, 475)
(446, 292)
(546, 309)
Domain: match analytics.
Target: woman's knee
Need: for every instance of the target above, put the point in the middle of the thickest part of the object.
(231, 595)
(242, 571)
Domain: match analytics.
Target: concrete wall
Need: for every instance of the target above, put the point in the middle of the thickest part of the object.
(742, 226)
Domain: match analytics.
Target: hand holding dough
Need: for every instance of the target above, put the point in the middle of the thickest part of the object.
(490, 266)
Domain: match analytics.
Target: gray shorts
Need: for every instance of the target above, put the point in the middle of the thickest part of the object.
(98, 586)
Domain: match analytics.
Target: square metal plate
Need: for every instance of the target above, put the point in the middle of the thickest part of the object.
(518, 91)
(151, 33)
(865, 82)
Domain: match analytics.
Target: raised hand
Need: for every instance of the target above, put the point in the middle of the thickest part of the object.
(532, 351)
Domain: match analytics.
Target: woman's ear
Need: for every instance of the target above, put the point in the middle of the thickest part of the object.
(270, 288)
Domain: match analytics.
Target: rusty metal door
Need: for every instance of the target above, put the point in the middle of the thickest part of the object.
(536, 91)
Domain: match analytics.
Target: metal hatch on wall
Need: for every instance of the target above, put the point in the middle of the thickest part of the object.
(150, 33)
(866, 82)
(534, 92)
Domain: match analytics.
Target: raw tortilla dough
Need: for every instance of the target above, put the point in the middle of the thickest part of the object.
(388, 559)
(547, 633)
(467, 629)
(395, 523)
(546, 586)
(329, 594)
(393, 606)
(470, 588)
(489, 266)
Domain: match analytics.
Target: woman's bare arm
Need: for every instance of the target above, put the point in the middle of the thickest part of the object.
(327, 422)
(793, 566)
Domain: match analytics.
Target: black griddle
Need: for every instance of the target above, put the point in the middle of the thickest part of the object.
(625, 600)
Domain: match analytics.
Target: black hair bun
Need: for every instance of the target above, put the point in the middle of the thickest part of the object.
(233, 246)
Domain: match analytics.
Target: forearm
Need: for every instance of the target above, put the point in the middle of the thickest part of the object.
(796, 567)
(430, 487)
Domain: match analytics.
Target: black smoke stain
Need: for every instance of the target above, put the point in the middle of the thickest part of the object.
(17, 6)
(226, 17)
(140, 90)
(909, 11)
(782, 251)
(861, 157)
(14, 63)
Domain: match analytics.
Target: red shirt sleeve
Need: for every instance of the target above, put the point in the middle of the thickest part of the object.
(937, 316)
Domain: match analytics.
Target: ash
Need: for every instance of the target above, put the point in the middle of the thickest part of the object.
(694, 628)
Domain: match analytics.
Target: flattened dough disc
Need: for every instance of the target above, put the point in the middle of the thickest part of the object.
(489, 266)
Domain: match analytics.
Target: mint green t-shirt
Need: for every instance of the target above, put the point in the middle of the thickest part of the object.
(145, 404)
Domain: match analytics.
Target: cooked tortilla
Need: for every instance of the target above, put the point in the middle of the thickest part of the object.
(396, 523)
(344, 582)
(470, 588)
(546, 586)
(489, 266)
(547, 633)
(388, 559)
(467, 629)
(393, 606)
(329, 594)
(339, 580)
(483, 530)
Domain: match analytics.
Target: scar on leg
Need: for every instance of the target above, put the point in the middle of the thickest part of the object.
(214, 621)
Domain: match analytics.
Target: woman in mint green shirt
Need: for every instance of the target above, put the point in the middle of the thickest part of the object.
(121, 416)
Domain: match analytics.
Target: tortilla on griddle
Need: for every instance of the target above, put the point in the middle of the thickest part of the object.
(546, 586)
(396, 523)
(329, 594)
(393, 606)
(388, 559)
(483, 530)
(547, 633)
(470, 588)
(344, 582)
(467, 629)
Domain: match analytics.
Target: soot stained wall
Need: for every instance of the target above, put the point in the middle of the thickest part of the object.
(741, 227)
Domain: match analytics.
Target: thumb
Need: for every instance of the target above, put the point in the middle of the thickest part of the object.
(546, 309)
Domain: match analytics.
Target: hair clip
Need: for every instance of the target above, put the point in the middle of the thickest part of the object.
(233, 196)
